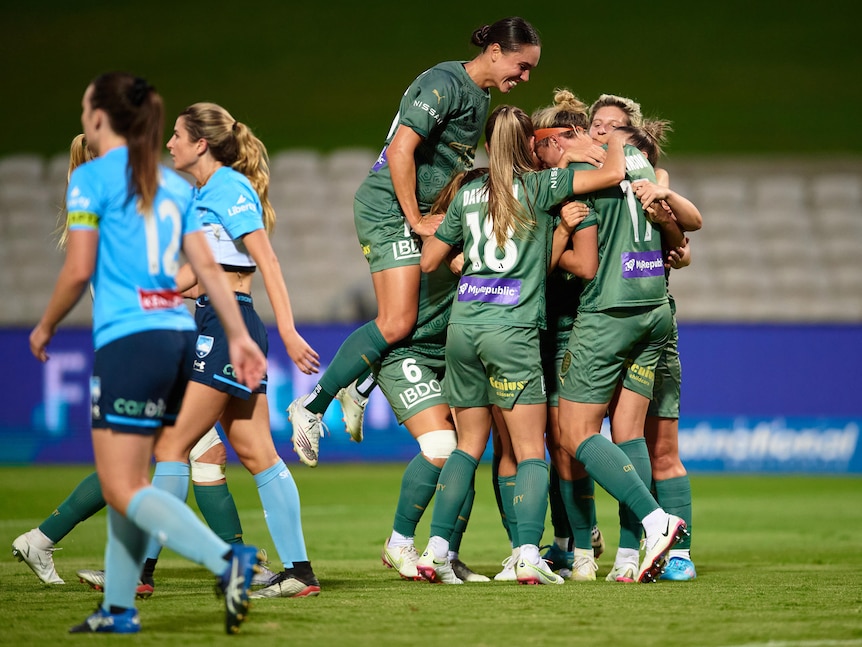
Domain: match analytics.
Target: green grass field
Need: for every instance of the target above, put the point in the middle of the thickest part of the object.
(778, 559)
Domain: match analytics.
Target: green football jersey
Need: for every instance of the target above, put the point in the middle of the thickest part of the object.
(448, 110)
(631, 266)
(504, 286)
(436, 291)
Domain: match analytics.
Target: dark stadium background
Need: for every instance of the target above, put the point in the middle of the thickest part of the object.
(736, 77)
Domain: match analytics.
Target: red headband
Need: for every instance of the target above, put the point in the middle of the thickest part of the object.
(544, 133)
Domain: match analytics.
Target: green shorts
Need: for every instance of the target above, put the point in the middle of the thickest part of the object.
(493, 364)
(386, 239)
(668, 376)
(554, 345)
(613, 345)
(411, 379)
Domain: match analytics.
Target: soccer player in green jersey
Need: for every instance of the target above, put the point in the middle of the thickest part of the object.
(410, 375)
(433, 136)
(561, 127)
(492, 345)
(670, 479)
(623, 323)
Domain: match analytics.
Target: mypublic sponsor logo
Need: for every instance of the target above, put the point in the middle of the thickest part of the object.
(771, 444)
(159, 299)
(500, 291)
(636, 265)
(381, 160)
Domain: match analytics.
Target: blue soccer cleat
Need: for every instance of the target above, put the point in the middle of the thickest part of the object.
(233, 584)
(104, 622)
(679, 569)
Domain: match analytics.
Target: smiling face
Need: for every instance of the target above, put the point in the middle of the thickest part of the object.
(606, 120)
(184, 151)
(512, 68)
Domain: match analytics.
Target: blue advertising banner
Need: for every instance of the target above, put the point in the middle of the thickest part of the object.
(754, 399)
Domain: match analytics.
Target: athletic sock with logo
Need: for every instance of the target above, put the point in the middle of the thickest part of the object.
(611, 469)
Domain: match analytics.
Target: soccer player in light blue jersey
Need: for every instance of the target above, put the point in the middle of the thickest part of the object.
(230, 167)
(129, 219)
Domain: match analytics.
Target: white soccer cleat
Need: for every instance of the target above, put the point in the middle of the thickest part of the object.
(625, 572)
(656, 548)
(40, 560)
(585, 567)
(264, 576)
(307, 430)
(403, 559)
(532, 569)
(95, 579)
(436, 570)
(353, 406)
(508, 572)
(467, 574)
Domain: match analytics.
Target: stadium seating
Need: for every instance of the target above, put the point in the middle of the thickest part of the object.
(780, 241)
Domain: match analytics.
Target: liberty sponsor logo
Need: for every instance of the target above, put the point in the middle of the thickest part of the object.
(160, 299)
(419, 393)
(638, 265)
(77, 200)
(500, 291)
(242, 205)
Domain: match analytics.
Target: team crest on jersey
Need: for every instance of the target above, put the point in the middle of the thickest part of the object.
(203, 346)
(95, 396)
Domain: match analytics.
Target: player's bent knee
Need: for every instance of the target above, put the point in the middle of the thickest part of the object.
(438, 444)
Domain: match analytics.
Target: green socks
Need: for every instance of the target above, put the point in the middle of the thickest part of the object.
(84, 501)
(417, 489)
(360, 350)
(630, 524)
(611, 468)
(456, 479)
(580, 501)
(531, 500)
(219, 510)
(674, 496)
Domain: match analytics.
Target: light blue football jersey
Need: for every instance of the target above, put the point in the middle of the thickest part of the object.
(134, 283)
(229, 208)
